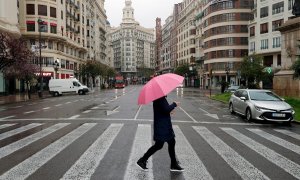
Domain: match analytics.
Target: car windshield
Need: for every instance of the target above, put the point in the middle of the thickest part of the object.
(263, 96)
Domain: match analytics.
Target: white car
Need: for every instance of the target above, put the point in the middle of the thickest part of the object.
(260, 105)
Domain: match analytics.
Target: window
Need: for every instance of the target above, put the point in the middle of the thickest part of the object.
(42, 10)
(50, 44)
(290, 4)
(31, 27)
(52, 12)
(279, 60)
(62, 14)
(30, 9)
(276, 24)
(252, 46)
(278, 8)
(252, 31)
(264, 44)
(53, 28)
(264, 28)
(44, 28)
(264, 12)
(276, 42)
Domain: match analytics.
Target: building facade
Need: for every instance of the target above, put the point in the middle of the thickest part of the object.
(166, 65)
(71, 32)
(264, 36)
(133, 45)
(9, 23)
(225, 38)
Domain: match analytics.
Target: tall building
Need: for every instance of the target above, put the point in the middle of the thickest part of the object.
(265, 38)
(225, 31)
(186, 33)
(158, 42)
(70, 31)
(166, 49)
(133, 45)
(9, 17)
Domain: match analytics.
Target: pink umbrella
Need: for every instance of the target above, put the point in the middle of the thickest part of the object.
(159, 86)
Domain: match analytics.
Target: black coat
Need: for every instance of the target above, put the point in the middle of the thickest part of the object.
(163, 130)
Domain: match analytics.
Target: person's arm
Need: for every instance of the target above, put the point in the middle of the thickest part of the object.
(166, 107)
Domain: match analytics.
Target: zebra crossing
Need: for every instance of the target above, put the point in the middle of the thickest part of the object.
(277, 148)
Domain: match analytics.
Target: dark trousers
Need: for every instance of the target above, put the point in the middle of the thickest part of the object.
(157, 146)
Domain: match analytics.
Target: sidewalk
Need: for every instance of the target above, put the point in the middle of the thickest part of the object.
(21, 97)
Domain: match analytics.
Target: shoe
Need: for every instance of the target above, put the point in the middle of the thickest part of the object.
(176, 168)
(142, 164)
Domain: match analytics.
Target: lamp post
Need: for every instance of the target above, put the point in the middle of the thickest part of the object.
(56, 66)
(227, 70)
(40, 92)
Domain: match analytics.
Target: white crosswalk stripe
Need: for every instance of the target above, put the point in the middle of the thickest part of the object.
(194, 168)
(245, 169)
(6, 150)
(289, 133)
(94, 154)
(279, 141)
(89, 161)
(281, 161)
(5, 125)
(30, 165)
(141, 143)
(19, 130)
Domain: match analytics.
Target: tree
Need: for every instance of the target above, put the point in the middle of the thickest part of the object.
(182, 70)
(252, 70)
(5, 57)
(296, 68)
(20, 66)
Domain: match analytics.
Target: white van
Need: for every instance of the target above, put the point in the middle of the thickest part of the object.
(59, 86)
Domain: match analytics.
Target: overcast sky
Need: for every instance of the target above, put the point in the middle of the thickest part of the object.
(145, 11)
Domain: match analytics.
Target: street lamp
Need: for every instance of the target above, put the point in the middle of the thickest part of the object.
(227, 70)
(56, 66)
(40, 22)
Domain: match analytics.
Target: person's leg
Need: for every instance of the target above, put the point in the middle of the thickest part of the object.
(142, 162)
(171, 148)
(157, 146)
(174, 164)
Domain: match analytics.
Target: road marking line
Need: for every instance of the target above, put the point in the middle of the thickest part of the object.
(74, 117)
(142, 141)
(19, 130)
(33, 163)
(281, 161)
(188, 114)
(68, 102)
(17, 107)
(46, 108)
(137, 113)
(87, 111)
(7, 117)
(244, 168)
(288, 133)
(9, 149)
(277, 140)
(6, 125)
(58, 105)
(194, 167)
(95, 107)
(28, 112)
(86, 165)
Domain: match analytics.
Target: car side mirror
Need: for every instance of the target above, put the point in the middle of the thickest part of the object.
(243, 98)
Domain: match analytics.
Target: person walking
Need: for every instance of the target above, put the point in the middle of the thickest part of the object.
(163, 132)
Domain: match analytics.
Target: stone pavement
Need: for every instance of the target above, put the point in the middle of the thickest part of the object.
(21, 97)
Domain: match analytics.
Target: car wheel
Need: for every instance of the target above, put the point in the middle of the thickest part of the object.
(248, 115)
(80, 92)
(231, 108)
(56, 94)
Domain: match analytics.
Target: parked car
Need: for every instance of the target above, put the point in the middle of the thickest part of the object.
(260, 105)
(232, 88)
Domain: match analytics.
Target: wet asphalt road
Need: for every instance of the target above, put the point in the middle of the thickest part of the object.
(100, 136)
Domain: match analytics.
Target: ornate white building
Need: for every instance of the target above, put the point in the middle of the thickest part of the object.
(133, 46)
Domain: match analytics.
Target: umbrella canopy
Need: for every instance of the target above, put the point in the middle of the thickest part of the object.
(159, 86)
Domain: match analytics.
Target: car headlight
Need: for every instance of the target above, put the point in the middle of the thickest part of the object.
(261, 108)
